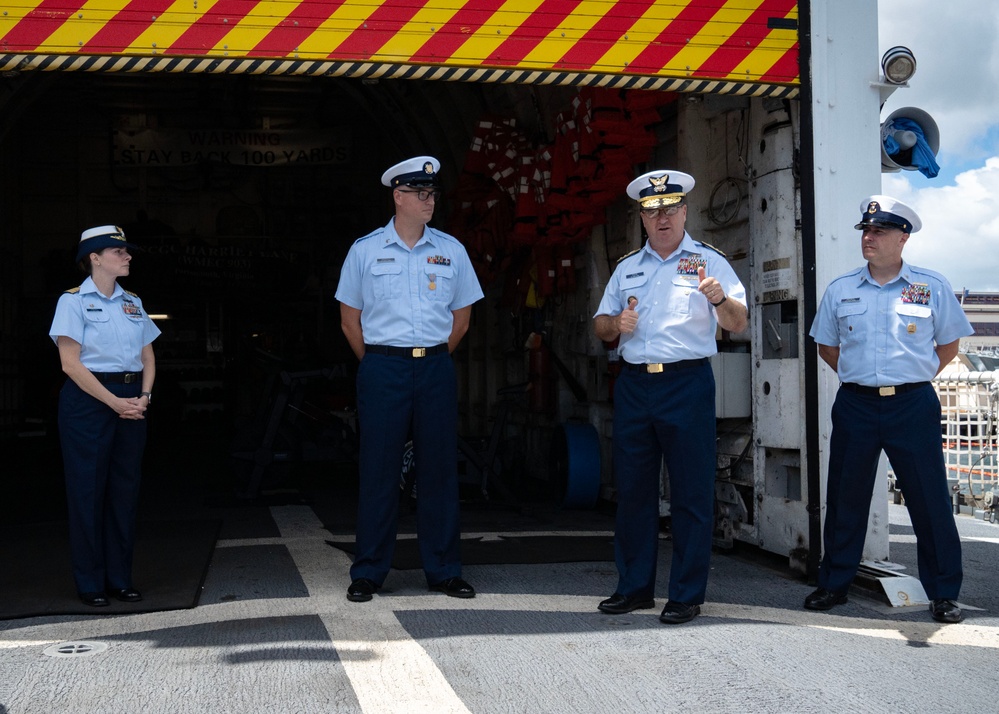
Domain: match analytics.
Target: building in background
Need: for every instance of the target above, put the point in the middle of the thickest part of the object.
(982, 310)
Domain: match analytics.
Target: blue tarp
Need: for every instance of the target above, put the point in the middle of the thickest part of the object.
(922, 155)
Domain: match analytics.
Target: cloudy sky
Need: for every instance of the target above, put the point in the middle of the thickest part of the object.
(956, 46)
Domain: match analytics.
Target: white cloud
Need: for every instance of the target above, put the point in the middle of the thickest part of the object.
(960, 234)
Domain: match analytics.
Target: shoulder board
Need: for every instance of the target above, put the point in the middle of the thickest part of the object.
(628, 255)
(129, 292)
(708, 245)
(73, 291)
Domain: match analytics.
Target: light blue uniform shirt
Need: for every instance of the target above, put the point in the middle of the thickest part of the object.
(887, 334)
(405, 296)
(111, 330)
(675, 321)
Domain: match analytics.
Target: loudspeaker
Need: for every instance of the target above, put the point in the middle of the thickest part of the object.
(907, 139)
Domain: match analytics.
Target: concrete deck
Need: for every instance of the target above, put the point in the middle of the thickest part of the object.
(277, 635)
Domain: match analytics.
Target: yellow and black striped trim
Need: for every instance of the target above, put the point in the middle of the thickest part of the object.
(372, 70)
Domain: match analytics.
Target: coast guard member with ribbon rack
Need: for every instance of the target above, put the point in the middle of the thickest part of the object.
(105, 346)
(406, 293)
(887, 329)
(665, 302)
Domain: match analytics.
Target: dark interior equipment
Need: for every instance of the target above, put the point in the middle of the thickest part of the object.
(293, 428)
(480, 462)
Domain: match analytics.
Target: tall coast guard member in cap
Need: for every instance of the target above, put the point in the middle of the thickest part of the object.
(105, 346)
(406, 293)
(887, 329)
(665, 301)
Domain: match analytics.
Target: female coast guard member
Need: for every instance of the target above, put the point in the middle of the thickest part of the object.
(406, 294)
(105, 346)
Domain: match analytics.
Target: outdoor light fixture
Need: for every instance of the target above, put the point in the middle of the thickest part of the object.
(899, 64)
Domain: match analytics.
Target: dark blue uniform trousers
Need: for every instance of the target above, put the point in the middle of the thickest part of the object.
(907, 427)
(102, 457)
(669, 415)
(394, 395)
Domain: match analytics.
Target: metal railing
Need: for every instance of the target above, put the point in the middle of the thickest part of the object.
(969, 403)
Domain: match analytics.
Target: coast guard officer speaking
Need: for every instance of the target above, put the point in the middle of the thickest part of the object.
(665, 301)
(887, 329)
(406, 293)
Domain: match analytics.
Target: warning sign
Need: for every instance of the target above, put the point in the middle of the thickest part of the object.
(186, 147)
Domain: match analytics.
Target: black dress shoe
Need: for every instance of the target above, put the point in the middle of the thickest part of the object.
(618, 604)
(946, 611)
(454, 587)
(126, 594)
(676, 612)
(361, 590)
(94, 599)
(823, 599)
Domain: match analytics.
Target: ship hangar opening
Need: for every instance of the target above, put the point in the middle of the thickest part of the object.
(245, 192)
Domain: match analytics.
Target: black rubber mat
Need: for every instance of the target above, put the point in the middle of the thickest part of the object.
(171, 559)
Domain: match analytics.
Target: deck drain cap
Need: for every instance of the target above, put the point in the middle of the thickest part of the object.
(75, 649)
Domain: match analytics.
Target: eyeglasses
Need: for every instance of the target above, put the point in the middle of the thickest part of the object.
(424, 194)
(662, 210)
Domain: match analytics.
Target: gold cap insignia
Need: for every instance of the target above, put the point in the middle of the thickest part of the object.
(659, 184)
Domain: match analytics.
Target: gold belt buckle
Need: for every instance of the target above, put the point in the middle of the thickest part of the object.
(419, 352)
(654, 368)
(886, 391)
(129, 377)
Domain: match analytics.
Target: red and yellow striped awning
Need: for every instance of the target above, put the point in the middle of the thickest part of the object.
(725, 46)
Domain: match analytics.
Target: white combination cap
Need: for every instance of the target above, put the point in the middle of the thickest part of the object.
(660, 188)
(99, 238)
(418, 171)
(889, 212)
